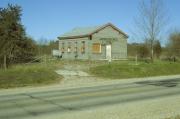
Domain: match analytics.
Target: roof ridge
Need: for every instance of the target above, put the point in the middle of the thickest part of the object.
(87, 31)
(87, 26)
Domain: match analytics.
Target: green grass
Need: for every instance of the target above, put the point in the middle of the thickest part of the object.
(128, 69)
(29, 75)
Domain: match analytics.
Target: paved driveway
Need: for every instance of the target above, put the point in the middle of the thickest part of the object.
(102, 101)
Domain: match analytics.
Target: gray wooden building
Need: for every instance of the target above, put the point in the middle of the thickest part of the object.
(103, 42)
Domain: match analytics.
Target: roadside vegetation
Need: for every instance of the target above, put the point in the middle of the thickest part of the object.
(129, 69)
(35, 74)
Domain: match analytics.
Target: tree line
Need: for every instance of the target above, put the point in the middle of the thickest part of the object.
(171, 51)
(15, 45)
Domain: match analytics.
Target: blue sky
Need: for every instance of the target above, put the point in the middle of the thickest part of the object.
(51, 18)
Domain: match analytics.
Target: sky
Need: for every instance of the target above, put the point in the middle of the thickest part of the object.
(48, 19)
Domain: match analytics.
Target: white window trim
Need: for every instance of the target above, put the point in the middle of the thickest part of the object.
(100, 48)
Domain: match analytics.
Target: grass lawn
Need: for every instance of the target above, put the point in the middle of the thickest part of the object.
(29, 75)
(128, 69)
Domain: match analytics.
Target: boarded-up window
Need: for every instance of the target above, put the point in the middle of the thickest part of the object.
(96, 48)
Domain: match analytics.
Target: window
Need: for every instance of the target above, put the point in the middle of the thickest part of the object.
(62, 48)
(96, 48)
(83, 47)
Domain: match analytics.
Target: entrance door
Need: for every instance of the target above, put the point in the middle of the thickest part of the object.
(108, 52)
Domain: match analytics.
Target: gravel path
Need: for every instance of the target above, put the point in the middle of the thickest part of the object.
(75, 74)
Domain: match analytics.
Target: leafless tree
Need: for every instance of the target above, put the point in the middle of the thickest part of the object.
(151, 21)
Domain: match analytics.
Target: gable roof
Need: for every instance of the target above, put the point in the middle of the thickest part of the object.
(81, 32)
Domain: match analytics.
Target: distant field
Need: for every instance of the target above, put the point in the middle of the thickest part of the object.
(29, 75)
(128, 69)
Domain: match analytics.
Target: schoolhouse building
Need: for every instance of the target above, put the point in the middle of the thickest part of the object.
(104, 42)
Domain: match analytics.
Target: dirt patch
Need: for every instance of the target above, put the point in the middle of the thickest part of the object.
(72, 73)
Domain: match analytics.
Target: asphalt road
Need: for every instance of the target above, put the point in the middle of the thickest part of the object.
(49, 103)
